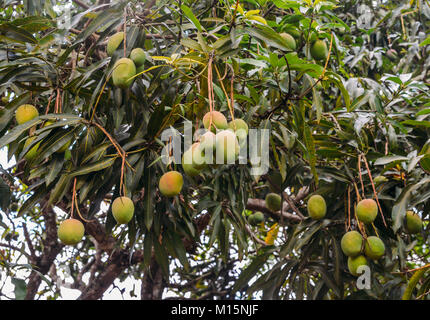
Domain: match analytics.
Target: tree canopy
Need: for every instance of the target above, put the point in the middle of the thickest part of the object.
(341, 88)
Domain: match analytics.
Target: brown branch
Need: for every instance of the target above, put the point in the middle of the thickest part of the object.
(260, 205)
(292, 205)
(51, 248)
(29, 244)
(153, 283)
(81, 4)
(114, 267)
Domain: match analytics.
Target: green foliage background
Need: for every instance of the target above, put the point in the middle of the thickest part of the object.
(335, 126)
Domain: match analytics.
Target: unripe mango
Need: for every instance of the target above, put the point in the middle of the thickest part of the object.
(71, 231)
(124, 70)
(273, 201)
(319, 50)
(289, 39)
(194, 156)
(64, 147)
(256, 218)
(414, 223)
(171, 183)
(227, 147)
(351, 243)
(138, 56)
(293, 31)
(240, 128)
(123, 210)
(218, 121)
(379, 179)
(189, 168)
(114, 42)
(48, 123)
(366, 211)
(26, 112)
(259, 217)
(355, 262)
(317, 207)
(31, 154)
(374, 248)
(207, 142)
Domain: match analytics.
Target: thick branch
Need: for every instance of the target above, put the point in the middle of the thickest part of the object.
(51, 248)
(260, 205)
(152, 282)
(114, 267)
(81, 4)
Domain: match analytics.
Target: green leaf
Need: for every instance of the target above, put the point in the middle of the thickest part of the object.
(17, 34)
(189, 43)
(425, 42)
(247, 274)
(93, 167)
(20, 288)
(55, 168)
(32, 201)
(5, 195)
(269, 36)
(310, 146)
(389, 159)
(190, 15)
(398, 212)
(17, 131)
(414, 123)
(161, 257)
(8, 112)
(148, 205)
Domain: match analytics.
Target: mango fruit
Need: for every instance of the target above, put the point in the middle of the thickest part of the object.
(366, 210)
(240, 128)
(226, 147)
(374, 248)
(71, 231)
(123, 210)
(114, 42)
(26, 112)
(414, 223)
(124, 70)
(319, 50)
(138, 56)
(219, 121)
(355, 262)
(317, 207)
(171, 183)
(32, 153)
(289, 40)
(273, 201)
(351, 243)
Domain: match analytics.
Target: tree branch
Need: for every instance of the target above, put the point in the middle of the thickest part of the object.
(51, 248)
(81, 4)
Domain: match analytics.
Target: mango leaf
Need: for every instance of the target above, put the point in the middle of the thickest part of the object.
(8, 112)
(93, 167)
(398, 212)
(268, 35)
(310, 146)
(20, 289)
(17, 34)
(190, 15)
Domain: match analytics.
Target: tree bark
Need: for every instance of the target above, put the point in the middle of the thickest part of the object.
(97, 287)
(153, 283)
(51, 248)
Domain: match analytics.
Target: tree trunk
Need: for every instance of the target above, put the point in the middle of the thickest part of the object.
(153, 283)
(51, 248)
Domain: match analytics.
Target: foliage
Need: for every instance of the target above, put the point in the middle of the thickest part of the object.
(335, 125)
